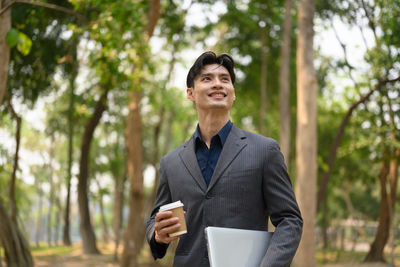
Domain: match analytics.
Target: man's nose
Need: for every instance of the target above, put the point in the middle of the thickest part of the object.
(217, 83)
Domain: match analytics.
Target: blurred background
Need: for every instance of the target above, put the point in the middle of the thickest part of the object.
(92, 95)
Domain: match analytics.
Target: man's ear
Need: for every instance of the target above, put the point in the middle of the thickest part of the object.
(189, 93)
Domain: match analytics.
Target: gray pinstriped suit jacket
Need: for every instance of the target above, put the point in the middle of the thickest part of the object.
(249, 183)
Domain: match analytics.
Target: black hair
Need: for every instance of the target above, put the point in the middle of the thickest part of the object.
(208, 58)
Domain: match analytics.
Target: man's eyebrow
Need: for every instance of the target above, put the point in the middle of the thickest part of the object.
(213, 73)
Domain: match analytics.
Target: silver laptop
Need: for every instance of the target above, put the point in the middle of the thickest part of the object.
(236, 247)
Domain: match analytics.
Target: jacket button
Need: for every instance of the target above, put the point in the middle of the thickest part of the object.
(208, 196)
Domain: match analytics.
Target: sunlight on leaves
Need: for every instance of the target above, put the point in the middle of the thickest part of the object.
(19, 39)
(24, 44)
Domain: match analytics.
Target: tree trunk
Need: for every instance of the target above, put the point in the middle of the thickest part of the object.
(284, 82)
(40, 213)
(117, 210)
(134, 235)
(324, 228)
(66, 233)
(376, 250)
(13, 201)
(135, 230)
(102, 214)
(58, 220)
(388, 199)
(394, 177)
(16, 248)
(394, 161)
(86, 228)
(51, 197)
(306, 140)
(106, 234)
(5, 26)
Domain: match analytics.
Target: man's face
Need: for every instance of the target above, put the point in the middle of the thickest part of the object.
(212, 89)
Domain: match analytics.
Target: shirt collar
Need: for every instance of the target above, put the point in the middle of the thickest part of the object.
(223, 133)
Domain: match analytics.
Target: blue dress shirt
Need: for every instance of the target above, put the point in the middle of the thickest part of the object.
(208, 157)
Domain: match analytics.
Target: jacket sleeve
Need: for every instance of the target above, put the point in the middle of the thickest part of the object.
(163, 197)
(282, 208)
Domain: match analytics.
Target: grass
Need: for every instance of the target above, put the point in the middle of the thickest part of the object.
(46, 250)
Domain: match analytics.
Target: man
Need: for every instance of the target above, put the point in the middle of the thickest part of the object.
(224, 176)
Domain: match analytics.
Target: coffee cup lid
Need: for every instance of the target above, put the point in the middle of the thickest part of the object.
(171, 206)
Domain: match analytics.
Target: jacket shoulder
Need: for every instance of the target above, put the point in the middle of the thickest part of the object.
(256, 139)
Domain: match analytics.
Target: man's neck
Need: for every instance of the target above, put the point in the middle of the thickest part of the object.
(210, 124)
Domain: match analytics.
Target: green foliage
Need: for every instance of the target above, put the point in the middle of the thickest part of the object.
(242, 40)
(12, 37)
(24, 44)
(41, 45)
(19, 39)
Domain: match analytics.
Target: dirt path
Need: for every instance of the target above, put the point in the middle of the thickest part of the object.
(73, 257)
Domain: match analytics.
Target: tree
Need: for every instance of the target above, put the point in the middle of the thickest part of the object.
(378, 18)
(253, 37)
(15, 246)
(52, 192)
(12, 198)
(284, 82)
(86, 228)
(101, 192)
(73, 68)
(134, 235)
(306, 139)
(388, 179)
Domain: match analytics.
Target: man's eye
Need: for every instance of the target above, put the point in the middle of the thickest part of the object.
(206, 79)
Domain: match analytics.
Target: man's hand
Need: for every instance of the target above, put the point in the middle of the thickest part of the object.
(165, 224)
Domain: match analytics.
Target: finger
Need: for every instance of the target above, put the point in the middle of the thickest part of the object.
(165, 231)
(162, 235)
(163, 215)
(166, 222)
(167, 226)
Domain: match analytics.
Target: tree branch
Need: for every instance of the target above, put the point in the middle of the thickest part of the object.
(344, 48)
(153, 16)
(326, 176)
(45, 5)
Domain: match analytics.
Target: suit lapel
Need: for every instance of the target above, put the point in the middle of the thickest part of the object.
(235, 142)
(188, 156)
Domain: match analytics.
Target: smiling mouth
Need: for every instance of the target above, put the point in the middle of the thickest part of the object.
(219, 94)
